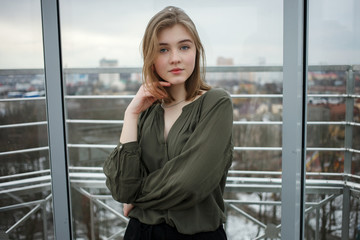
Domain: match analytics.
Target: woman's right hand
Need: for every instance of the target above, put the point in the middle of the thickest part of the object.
(127, 208)
(143, 99)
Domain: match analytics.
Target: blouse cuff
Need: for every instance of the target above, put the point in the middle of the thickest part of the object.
(129, 146)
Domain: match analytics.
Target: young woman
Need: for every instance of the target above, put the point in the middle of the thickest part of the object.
(170, 166)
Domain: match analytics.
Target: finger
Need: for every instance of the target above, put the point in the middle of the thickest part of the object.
(165, 84)
(125, 210)
(150, 101)
(156, 87)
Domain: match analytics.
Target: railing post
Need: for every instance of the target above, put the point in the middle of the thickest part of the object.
(317, 228)
(44, 217)
(92, 220)
(349, 114)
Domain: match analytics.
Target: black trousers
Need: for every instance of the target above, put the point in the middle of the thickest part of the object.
(140, 231)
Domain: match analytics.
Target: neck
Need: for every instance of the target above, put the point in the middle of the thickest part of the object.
(178, 92)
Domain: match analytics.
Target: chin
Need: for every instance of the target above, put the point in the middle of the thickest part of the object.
(176, 81)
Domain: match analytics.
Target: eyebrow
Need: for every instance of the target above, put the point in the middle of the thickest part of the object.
(182, 41)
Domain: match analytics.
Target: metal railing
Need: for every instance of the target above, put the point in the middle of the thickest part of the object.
(88, 180)
(85, 183)
(348, 96)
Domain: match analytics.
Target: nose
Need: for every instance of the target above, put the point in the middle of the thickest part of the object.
(175, 57)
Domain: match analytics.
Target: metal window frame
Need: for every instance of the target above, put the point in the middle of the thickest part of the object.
(56, 119)
(294, 119)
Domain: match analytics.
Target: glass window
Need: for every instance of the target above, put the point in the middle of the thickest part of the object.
(101, 45)
(25, 208)
(102, 65)
(333, 119)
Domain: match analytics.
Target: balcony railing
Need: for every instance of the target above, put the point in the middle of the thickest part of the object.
(90, 181)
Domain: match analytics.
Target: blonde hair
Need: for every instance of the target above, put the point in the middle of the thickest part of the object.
(167, 18)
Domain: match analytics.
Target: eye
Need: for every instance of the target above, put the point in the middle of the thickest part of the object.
(163, 50)
(184, 47)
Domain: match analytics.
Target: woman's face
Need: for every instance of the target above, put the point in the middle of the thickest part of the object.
(175, 59)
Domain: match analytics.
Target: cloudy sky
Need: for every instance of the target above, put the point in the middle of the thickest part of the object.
(248, 31)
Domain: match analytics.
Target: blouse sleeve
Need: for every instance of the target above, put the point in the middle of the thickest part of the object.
(124, 172)
(191, 176)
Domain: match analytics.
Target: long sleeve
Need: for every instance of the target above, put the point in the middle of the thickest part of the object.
(192, 175)
(124, 172)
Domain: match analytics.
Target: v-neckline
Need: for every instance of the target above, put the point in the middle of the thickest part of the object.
(162, 127)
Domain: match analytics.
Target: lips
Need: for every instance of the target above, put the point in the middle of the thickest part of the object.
(176, 70)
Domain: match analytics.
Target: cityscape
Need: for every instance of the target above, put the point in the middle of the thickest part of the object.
(243, 85)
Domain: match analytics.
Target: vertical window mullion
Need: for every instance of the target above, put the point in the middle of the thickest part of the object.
(294, 119)
(56, 119)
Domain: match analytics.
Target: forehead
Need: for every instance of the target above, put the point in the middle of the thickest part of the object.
(174, 34)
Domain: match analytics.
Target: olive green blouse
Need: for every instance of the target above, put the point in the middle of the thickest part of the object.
(179, 181)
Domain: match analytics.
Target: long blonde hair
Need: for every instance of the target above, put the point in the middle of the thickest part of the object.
(166, 18)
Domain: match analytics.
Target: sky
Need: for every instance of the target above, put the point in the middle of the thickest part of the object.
(248, 31)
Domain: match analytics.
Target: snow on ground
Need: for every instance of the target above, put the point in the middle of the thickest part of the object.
(238, 228)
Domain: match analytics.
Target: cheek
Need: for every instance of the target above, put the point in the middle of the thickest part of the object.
(156, 67)
(159, 64)
(160, 68)
(190, 60)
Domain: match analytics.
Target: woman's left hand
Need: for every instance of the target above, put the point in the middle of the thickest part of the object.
(127, 208)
